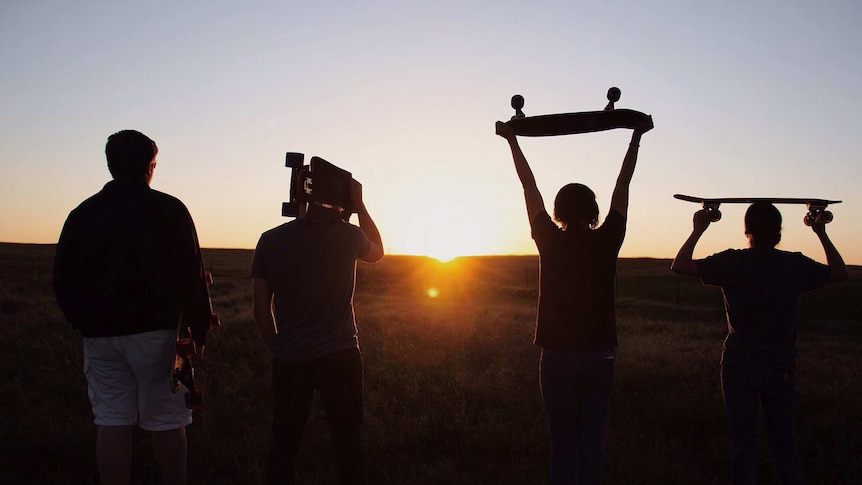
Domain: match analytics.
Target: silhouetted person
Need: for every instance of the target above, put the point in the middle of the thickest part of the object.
(576, 323)
(128, 272)
(761, 287)
(304, 277)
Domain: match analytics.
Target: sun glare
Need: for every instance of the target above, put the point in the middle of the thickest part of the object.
(446, 215)
(444, 257)
(433, 292)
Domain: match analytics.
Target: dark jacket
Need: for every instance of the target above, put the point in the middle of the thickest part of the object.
(128, 261)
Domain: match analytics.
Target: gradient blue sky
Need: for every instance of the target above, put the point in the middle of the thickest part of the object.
(748, 98)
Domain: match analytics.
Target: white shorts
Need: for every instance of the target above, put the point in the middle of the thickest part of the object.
(129, 378)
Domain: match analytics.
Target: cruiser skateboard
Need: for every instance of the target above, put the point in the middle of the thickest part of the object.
(817, 212)
(573, 123)
(319, 182)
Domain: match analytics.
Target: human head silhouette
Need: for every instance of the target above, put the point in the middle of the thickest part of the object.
(763, 225)
(130, 154)
(575, 204)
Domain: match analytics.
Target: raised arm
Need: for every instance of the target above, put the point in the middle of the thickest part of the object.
(532, 196)
(620, 198)
(366, 223)
(833, 257)
(683, 264)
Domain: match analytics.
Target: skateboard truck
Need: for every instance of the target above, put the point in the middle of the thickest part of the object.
(320, 183)
(817, 214)
(614, 94)
(518, 105)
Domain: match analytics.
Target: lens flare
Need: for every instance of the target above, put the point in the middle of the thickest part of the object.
(433, 292)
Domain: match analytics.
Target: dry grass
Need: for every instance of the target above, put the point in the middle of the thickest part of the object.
(451, 386)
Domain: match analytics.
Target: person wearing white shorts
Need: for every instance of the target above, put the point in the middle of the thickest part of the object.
(128, 274)
(129, 380)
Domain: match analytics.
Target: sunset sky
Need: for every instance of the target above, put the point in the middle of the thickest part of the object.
(748, 99)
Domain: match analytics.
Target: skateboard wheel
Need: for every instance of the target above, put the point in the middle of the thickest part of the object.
(517, 101)
(824, 217)
(714, 215)
(194, 399)
(186, 347)
(614, 94)
(294, 160)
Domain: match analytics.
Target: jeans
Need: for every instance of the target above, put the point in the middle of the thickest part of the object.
(774, 390)
(576, 389)
(338, 379)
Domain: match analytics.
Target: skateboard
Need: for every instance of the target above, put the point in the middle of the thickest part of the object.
(816, 207)
(184, 369)
(319, 182)
(573, 123)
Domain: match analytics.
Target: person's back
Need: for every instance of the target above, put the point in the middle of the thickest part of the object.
(133, 259)
(303, 280)
(310, 266)
(762, 287)
(128, 273)
(578, 274)
(576, 318)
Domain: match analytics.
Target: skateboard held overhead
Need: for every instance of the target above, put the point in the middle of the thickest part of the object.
(817, 212)
(573, 123)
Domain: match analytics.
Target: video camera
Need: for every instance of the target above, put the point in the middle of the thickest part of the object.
(320, 183)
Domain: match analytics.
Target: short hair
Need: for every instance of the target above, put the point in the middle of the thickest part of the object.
(763, 224)
(129, 154)
(575, 203)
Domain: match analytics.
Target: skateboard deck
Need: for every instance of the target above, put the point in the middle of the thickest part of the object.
(319, 182)
(573, 123)
(184, 369)
(816, 207)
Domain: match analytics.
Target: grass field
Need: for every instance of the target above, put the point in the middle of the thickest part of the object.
(451, 386)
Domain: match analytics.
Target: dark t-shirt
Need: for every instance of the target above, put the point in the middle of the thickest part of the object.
(577, 284)
(311, 268)
(761, 288)
(128, 261)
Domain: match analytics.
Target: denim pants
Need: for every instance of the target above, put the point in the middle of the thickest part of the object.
(746, 389)
(338, 379)
(576, 389)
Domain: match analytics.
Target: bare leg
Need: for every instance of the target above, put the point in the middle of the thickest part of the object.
(169, 448)
(114, 454)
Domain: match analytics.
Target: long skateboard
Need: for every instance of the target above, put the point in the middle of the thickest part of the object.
(816, 207)
(573, 123)
(184, 369)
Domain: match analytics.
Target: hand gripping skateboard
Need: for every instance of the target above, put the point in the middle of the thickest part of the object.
(817, 212)
(573, 123)
(184, 370)
(319, 182)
